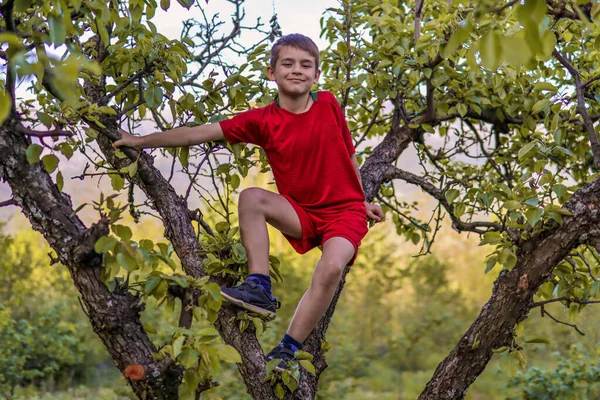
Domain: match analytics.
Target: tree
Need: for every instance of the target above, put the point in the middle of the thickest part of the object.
(497, 100)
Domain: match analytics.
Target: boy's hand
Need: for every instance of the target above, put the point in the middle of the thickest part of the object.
(374, 212)
(127, 139)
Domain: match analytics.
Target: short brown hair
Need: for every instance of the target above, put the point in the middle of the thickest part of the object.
(297, 41)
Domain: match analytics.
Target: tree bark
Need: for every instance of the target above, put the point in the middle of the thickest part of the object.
(512, 296)
(115, 316)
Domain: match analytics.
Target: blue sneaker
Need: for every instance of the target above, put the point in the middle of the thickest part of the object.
(283, 353)
(252, 297)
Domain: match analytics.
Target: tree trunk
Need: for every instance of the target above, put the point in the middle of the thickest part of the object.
(115, 316)
(512, 296)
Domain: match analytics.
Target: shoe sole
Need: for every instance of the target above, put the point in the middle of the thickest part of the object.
(248, 306)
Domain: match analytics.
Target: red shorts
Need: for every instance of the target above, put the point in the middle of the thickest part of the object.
(348, 221)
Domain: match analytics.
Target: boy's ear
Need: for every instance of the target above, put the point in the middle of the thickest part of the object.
(270, 73)
(317, 75)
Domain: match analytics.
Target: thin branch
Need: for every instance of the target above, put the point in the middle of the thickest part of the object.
(499, 10)
(418, 10)
(564, 298)
(438, 194)
(30, 132)
(590, 81)
(544, 312)
(587, 121)
(587, 264)
(147, 69)
(9, 202)
(423, 227)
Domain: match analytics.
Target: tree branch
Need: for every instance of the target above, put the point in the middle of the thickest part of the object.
(30, 132)
(418, 11)
(9, 202)
(438, 194)
(565, 298)
(581, 109)
(140, 74)
(544, 312)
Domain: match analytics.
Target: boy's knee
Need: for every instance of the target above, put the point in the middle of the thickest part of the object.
(328, 272)
(253, 197)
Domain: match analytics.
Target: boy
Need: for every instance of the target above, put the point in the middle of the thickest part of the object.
(321, 201)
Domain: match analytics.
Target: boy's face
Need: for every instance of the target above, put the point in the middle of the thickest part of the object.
(295, 71)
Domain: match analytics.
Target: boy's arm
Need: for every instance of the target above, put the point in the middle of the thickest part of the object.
(373, 210)
(178, 137)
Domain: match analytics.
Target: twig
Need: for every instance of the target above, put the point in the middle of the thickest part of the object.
(438, 194)
(418, 10)
(30, 132)
(587, 121)
(544, 312)
(504, 7)
(147, 69)
(587, 264)
(9, 202)
(423, 227)
(576, 300)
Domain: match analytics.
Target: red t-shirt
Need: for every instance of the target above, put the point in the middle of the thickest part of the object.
(309, 153)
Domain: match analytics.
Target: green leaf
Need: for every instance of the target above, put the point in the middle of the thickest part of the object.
(177, 345)
(545, 86)
(491, 238)
(228, 354)
(539, 106)
(289, 380)
(105, 244)
(117, 182)
(132, 169)
(235, 181)
(127, 262)
(184, 156)
(150, 329)
(33, 153)
(5, 106)
(165, 4)
(512, 204)
(22, 5)
(527, 151)
(153, 96)
(308, 366)
(122, 231)
(538, 339)
(519, 329)
(491, 50)
(222, 227)
(533, 215)
(186, 3)
(270, 367)
(451, 195)
(303, 355)
(60, 181)
(58, 30)
(573, 312)
(279, 392)
(50, 162)
(491, 263)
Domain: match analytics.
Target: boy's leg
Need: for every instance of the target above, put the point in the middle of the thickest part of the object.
(337, 252)
(257, 207)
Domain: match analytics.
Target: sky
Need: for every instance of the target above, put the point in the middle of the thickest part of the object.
(294, 17)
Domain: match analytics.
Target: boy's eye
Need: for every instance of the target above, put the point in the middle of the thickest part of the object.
(287, 64)
(307, 65)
